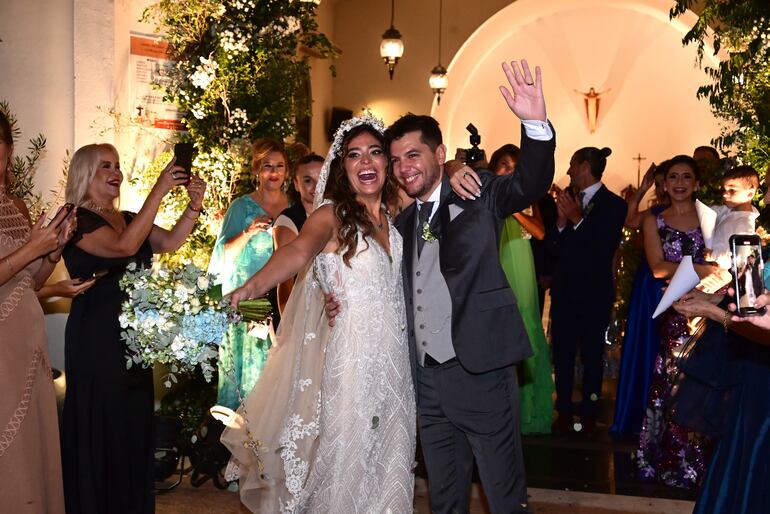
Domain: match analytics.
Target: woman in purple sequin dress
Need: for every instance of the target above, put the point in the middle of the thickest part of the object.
(669, 453)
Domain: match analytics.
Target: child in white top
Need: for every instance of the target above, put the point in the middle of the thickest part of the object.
(737, 215)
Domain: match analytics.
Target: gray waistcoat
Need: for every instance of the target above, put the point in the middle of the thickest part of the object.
(432, 306)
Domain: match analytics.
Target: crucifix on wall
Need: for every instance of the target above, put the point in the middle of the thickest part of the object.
(639, 160)
(591, 100)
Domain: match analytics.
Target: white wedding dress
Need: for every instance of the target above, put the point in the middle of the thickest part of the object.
(330, 426)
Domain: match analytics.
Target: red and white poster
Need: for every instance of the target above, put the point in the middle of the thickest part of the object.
(150, 65)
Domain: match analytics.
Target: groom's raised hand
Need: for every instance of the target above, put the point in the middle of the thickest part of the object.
(525, 97)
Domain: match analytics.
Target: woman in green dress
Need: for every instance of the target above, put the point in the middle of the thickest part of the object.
(535, 373)
(244, 245)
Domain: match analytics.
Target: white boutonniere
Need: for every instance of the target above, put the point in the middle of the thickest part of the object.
(427, 235)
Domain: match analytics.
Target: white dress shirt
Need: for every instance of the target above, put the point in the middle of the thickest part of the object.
(435, 197)
(730, 222)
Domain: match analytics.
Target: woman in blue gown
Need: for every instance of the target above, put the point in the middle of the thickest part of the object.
(244, 245)
(641, 341)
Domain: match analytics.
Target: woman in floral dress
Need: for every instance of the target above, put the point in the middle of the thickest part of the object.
(669, 452)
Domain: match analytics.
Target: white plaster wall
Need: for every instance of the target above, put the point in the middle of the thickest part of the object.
(628, 47)
(58, 65)
(322, 84)
(94, 52)
(36, 76)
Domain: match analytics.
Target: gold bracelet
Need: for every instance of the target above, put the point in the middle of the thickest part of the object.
(52, 261)
(725, 319)
(7, 261)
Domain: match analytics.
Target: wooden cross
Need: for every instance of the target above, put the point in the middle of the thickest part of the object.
(639, 160)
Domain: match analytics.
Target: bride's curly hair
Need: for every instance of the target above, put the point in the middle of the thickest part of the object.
(349, 212)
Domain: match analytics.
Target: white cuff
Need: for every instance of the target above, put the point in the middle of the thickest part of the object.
(537, 130)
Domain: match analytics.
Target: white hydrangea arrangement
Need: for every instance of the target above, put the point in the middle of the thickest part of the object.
(178, 317)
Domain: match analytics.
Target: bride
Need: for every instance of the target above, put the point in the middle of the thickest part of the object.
(330, 425)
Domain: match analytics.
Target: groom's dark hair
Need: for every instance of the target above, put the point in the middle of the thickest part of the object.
(430, 134)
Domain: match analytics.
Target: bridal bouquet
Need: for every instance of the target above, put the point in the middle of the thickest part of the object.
(178, 317)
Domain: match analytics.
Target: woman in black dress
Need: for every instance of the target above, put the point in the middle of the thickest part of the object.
(107, 423)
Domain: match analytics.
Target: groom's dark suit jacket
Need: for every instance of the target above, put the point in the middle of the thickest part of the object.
(487, 330)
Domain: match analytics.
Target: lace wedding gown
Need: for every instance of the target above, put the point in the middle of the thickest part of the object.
(330, 426)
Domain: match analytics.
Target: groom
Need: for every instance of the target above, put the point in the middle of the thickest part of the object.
(465, 332)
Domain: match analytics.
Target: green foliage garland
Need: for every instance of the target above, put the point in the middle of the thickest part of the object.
(241, 73)
(23, 169)
(739, 92)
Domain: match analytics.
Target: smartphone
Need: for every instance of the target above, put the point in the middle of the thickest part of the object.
(184, 153)
(68, 207)
(747, 271)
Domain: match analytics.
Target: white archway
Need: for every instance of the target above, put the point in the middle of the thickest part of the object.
(628, 48)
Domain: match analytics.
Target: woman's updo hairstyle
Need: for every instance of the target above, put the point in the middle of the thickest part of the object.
(597, 159)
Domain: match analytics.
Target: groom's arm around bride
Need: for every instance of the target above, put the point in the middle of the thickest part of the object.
(467, 393)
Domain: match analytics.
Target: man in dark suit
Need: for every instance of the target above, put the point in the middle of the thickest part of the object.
(465, 331)
(588, 230)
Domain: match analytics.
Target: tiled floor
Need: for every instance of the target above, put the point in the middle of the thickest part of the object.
(207, 499)
(568, 474)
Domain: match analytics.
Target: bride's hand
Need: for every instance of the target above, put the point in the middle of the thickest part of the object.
(464, 180)
(332, 308)
(246, 292)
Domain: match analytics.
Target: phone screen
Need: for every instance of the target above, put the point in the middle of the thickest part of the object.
(184, 156)
(68, 207)
(748, 271)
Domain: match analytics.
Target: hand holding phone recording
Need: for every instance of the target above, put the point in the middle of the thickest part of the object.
(747, 270)
(44, 237)
(762, 319)
(171, 177)
(184, 153)
(61, 214)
